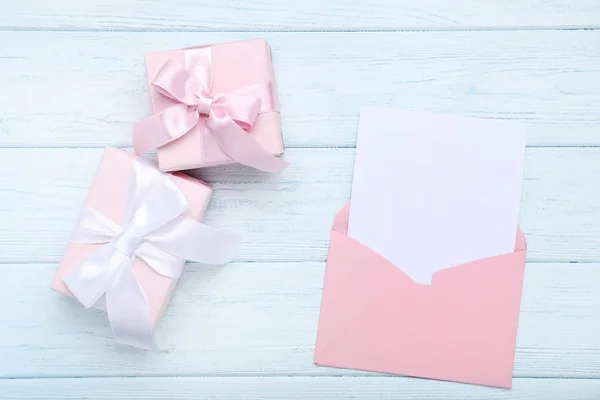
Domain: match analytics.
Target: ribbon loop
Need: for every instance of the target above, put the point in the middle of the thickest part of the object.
(177, 83)
(189, 89)
(153, 231)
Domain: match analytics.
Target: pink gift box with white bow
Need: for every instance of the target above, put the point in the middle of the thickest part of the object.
(137, 228)
(213, 105)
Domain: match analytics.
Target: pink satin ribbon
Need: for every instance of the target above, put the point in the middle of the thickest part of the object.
(226, 116)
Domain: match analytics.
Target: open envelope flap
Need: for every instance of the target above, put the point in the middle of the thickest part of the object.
(340, 223)
(461, 328)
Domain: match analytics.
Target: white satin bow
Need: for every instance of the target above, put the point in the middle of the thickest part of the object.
(152, 230)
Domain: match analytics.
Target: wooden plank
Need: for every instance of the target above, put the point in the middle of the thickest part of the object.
(288, 216)
(86, 89)
(320, 15)
(249, 319)
(300, 388)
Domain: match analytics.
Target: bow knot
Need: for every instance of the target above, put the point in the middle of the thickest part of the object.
(226, 116)
(127, 242)
(204, 104)
(154, 231)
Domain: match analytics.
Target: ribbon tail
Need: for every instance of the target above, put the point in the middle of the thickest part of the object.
(149, 134)
(127, 310)
(241, 147)
(193, 241)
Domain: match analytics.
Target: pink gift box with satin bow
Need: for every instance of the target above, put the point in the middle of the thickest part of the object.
(108, 194)
(213, 105)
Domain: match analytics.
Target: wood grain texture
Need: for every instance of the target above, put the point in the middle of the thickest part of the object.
(247, 330)
(292, 388)
(260, 319)
(232, 15)
(288, 216)
(86, 89)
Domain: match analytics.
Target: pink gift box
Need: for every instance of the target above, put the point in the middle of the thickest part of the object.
(108, 194)
(235, 65)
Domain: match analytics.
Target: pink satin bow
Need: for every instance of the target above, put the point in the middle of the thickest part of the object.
(226, 116)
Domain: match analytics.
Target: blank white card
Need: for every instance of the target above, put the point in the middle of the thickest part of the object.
(434, 191)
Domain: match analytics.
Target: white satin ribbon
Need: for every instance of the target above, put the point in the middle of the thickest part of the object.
(154, 231)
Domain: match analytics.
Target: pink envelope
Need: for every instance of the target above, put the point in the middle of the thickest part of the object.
(462, 327)
(236, 65)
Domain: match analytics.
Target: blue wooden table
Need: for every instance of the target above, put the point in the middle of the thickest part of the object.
(72, 81)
